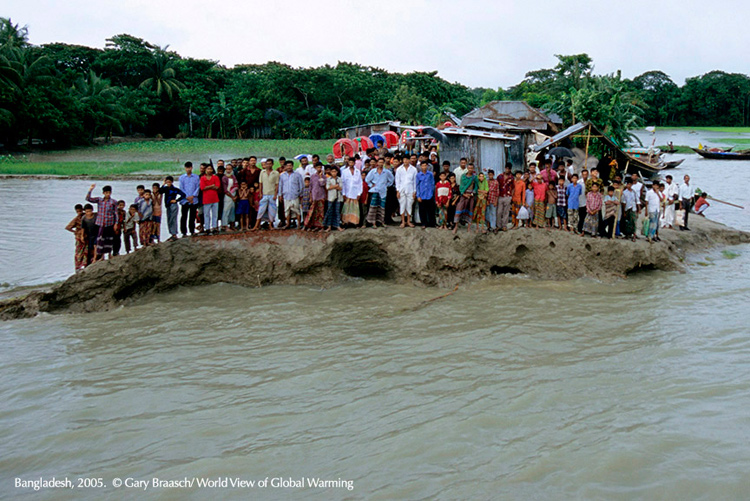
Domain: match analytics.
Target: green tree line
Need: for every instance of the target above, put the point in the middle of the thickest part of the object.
(65, 95)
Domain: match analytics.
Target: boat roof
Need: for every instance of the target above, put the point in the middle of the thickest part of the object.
(574, 129)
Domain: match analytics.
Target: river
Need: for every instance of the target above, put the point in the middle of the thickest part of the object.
(509, 388)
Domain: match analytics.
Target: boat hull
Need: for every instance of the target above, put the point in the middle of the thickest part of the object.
(722, 156)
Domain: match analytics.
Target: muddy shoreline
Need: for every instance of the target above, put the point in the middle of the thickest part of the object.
(431, 257)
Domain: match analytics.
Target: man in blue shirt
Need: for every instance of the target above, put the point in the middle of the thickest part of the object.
(291, 184)
(171, 202)
(426, 196)
(378, 181)
(190, 184)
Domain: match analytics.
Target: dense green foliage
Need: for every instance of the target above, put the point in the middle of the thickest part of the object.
(64, 95)
(617, 105)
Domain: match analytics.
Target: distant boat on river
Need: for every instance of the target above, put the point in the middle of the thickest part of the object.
(723, 155)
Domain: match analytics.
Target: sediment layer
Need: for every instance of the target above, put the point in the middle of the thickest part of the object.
(429, 257)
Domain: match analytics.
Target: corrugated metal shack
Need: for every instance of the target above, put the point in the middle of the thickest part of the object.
(513, 117)
(487, 150)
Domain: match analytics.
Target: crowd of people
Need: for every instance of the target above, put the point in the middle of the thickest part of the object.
(377, 189)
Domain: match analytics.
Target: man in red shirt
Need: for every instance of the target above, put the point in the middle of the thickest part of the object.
(507, 182)
(210, 184)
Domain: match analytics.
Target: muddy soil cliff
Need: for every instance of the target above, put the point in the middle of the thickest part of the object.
(430, 257)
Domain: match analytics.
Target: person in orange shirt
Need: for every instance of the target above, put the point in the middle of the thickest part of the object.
(519, 189)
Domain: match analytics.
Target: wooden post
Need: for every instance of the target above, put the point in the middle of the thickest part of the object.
(586, 159)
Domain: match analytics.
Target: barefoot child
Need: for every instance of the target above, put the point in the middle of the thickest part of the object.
(443, 198)
(335, 198)
(145, 212)
(243, 206)
(306, 201)
(117, 244)
(128, 228)
(562, 203)
(156, 198)
(480, 209)
(551, 201)
(593, 207)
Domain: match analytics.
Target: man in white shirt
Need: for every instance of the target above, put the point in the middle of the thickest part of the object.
(351, 189)
(652, 208)
(637, 187)
(629, 210)
(686, 193)
(582, 199)
(406, 187)
(671, 191)
(460, 170)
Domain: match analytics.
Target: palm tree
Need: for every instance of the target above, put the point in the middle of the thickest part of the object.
(11, 36)
(99, 99)
(163, 76)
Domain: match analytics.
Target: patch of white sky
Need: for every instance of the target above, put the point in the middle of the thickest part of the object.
(475, 42)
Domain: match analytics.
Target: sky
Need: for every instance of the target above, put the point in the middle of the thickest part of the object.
(478, 43)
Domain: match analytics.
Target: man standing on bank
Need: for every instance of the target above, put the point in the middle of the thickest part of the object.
(687, 193)
(190, 184)
(106, 219)
(406, 187)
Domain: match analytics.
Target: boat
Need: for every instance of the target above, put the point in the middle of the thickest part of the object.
(638, 161)
(723, 155)
(673, 164)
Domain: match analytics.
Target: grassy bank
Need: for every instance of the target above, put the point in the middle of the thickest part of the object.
(730, 130)
(230, 148)
(678, 148)
(165, 156)
(736, 141)
(97, 169)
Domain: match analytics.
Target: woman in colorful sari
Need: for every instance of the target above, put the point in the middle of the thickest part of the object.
(480, 208)
(314, 219)
(540, 196)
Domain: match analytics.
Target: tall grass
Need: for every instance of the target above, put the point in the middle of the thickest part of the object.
(738, 130)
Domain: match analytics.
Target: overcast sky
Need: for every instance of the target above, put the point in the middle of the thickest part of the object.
(475, 42)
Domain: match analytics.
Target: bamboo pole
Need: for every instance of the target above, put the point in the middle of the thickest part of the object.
(586, 159)
(723, 202)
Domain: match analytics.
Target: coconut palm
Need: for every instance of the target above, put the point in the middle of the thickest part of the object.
(99, 100)
(163, 75)
(11, 36)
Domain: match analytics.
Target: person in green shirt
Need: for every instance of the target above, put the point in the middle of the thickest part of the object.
(465, 207)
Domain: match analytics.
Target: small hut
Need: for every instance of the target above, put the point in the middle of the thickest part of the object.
(514, 117)
(487, 150)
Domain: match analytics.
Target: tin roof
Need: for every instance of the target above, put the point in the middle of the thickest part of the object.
(518, 113)
(388, 122)
(460, 131)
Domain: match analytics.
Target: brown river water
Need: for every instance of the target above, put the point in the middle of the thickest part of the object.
(509, 388)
